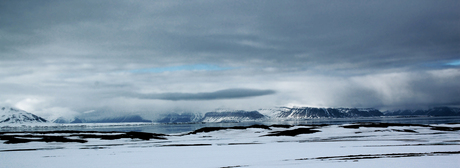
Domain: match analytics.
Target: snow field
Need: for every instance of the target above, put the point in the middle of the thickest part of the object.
(247, 148)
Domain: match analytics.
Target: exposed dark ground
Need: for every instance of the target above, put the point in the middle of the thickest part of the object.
(81, 136)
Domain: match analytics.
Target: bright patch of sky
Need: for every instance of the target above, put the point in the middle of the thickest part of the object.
(193, 67)
(442, 64)
(454, 63)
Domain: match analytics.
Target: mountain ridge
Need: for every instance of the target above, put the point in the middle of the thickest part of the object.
(318, 112)
(12, 115)
(298, 113)
(232, 116)
(435, 111)
(120, 119)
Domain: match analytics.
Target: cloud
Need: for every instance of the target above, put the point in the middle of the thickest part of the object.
(221, 94)
(365, 36)
(87, 55)
(89, 111)
(193, 67)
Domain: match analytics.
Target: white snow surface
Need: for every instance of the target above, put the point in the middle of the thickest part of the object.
(10, 115)
(247, 148)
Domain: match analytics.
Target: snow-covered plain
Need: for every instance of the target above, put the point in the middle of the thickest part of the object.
(333, 146)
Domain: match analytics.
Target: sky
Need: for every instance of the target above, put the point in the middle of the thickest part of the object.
(66, 58)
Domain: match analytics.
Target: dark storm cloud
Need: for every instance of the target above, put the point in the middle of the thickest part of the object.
(85, 55)
(221, 94)
(294, 35)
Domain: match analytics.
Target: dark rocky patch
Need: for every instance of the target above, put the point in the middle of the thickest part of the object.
(428, 144)
(376, 156)
(446, 128)
(453, 141)
(95, 147)
(382, 130)
(250, 143)
(235, 166)
(397, 130)
(132, 135)
(293, 132)
(211, 129)
(187, 145)
(106, 145)
(13, 140)
(49, 136)
(317, 125)
(16, 150)
(252, 126)
(32, 149)
(381, 125)
(281, 126)
(405, 130)
(57, 132)
(207, 129)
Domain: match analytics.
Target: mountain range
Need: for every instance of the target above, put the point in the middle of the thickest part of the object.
(299, 113)
(119, 119)
(12, 115)
(437, 111)
(313, 112)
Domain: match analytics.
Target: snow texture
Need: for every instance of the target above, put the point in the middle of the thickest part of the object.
(284, 113)
(9, 115)
(350, 145)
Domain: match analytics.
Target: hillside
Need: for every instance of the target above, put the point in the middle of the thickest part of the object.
(12, 115)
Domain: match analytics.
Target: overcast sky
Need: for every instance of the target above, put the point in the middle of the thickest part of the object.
(64, 58)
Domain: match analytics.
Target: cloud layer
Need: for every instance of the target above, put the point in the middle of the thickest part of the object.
(66, 58)
(221, 94)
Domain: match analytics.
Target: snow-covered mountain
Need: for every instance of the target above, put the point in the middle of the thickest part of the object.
(120, 119)
(280, 113)
(12, 115)
(313, 112)
(437, 111)
(215, 116)
(232, 116)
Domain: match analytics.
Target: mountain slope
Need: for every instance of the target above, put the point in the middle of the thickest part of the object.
(15, 116)
(120, 119)
(313, 112)
(232, 116)
(436, 111)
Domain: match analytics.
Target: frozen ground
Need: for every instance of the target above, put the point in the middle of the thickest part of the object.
(351, 145)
